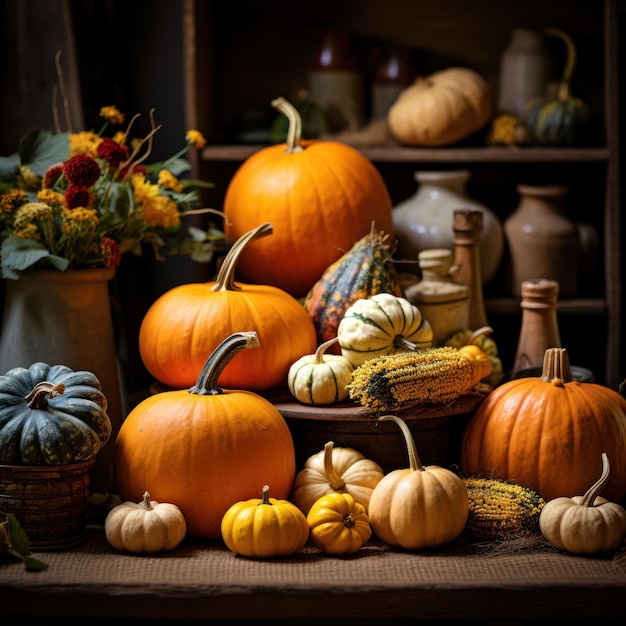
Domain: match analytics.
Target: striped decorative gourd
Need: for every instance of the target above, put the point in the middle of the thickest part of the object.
(365, 270)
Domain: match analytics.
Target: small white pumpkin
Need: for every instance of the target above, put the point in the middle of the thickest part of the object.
(585, 524)
(320, 378)
(342, 470)
(380, 325)
(148, 526)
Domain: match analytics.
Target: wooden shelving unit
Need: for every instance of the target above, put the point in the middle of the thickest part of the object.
(234, 67)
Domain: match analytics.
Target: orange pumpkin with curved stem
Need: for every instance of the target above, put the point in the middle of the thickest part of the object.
(205, 448)
(187, 323)
(321, 197)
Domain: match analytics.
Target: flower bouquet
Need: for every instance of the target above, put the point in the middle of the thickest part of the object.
(82, 200)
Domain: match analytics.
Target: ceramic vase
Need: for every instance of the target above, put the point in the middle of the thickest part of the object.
(426, 219)
(543, 242)
(64, 318)
(525, 71)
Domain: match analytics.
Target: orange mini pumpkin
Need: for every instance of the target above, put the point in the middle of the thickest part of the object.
(547, 433)
(321, 197)
(205, 448)
(188, 322)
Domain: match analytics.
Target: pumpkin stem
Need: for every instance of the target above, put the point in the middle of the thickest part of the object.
(483, 330)
(294, 130)
(265, 496)
(556, 368)
(146, 501)
(206, 384)
(400, 341)
(335, 481)
(321, 349)
(596, 489)
(414, 460)
(225, 280)
(570, 63)
(38, 397)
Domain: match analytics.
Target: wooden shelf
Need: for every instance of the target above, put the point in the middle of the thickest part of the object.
(238, 153)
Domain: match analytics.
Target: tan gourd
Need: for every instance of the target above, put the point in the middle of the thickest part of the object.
(418, 507)
(147, 526)
(343, 470)
(441, 109)
(585, 524)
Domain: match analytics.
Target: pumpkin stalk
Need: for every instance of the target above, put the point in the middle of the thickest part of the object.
(596, 489)
(483, 330)
(336, 482)
(225, 280)
(38, 397)
(556, 368)
(414, 460)
(321, 349)
(294, 130)
(265, 496)
(570, 63)
(146, 501)
(219, 359)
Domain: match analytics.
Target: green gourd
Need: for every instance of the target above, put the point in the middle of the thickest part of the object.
(51, 415)
(558, 119)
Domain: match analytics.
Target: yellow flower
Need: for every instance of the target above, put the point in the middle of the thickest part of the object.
(51, 198)
(167, 180)
(112, 114)
(30, 213)
(160, 212)
(28, 231)
(85, 142)
(80, 222)
(196, 138)
(30, 180)
(11, 200)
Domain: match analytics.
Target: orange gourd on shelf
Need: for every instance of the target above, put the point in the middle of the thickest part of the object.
(321, 196)
(187, 323)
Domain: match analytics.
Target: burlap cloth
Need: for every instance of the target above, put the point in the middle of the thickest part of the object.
(517, 579)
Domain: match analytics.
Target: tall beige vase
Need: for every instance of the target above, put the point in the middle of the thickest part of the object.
(64, 318)
(543, 242)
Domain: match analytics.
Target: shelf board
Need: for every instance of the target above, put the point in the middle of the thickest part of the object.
(573, 306)
(512, 154)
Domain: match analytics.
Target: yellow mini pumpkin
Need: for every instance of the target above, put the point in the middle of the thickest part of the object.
(264, 528)
(441, 109)
(320, 378)
(418, 507)
(585, 524)
(339, 524)
(147, 526)
(343, 470)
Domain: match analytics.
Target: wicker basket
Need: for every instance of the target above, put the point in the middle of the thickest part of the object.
(49, 502)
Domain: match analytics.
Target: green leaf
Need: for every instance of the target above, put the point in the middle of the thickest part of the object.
(9, 167)
(39, 149)
(19, 545)
(19, 254)
(34, 565)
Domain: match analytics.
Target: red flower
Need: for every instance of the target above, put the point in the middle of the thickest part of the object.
(134, 169)
(77, 196)
(51, 176)
(81, 170)
(112, 152)
(111, 254)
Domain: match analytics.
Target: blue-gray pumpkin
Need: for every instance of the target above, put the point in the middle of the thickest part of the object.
(51, 415)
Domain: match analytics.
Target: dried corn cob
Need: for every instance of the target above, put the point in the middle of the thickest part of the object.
(500, 510)
(405, 379)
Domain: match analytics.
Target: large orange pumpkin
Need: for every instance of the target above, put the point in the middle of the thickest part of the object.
(206, 448)
(187, 323)
(549, 433)
(321, 197)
